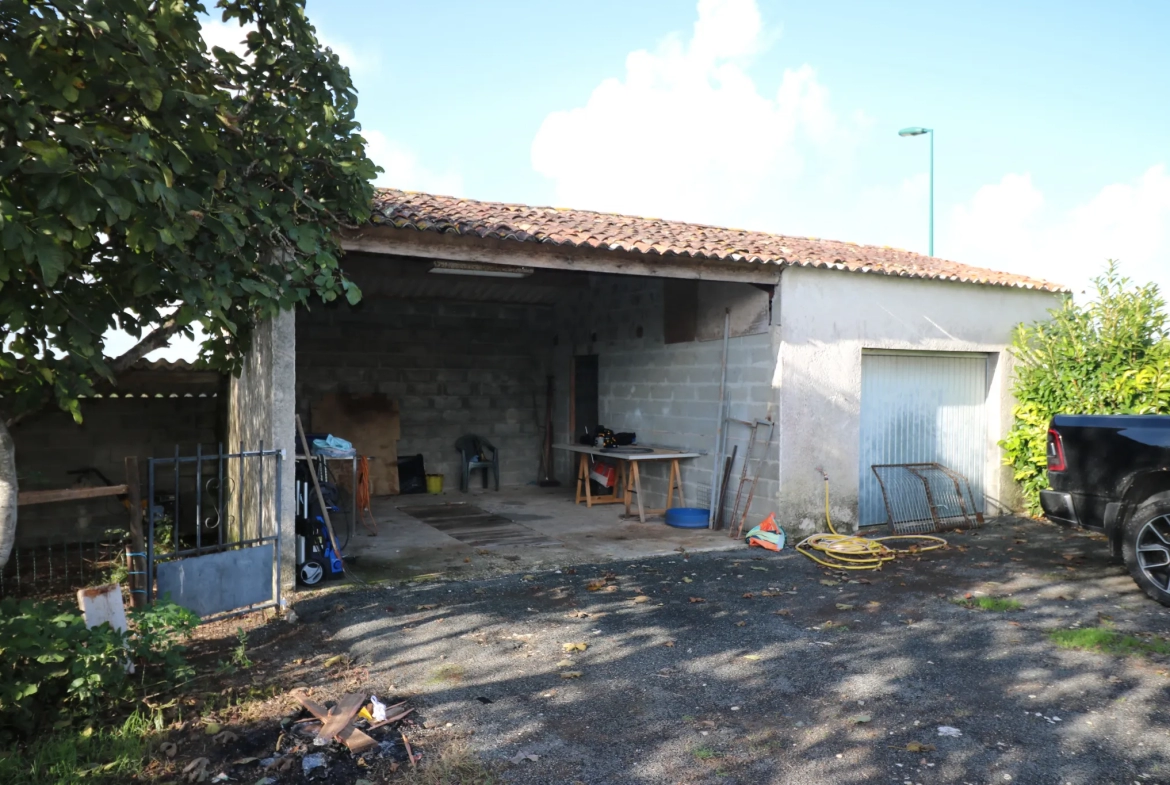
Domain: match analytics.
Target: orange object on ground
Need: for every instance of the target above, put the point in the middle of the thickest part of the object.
(766, 535)
(363, 495)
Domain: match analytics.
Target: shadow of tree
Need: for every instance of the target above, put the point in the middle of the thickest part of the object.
(783, 672)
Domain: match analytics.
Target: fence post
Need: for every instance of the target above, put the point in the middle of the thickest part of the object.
(137, 545)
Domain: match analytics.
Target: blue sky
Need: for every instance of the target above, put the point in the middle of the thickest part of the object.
(1052, 127)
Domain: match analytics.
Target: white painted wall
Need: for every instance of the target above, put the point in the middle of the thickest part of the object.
(826, 318)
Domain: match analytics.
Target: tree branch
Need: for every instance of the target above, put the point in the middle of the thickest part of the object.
(153, 340)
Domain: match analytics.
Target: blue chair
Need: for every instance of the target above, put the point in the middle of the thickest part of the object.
(474, 451)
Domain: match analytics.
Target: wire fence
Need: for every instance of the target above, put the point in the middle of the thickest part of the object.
(57, 569)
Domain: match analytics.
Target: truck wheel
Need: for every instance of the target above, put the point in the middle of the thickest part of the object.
(1146, 547)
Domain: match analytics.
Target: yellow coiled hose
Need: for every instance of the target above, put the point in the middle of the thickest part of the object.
(852, 552)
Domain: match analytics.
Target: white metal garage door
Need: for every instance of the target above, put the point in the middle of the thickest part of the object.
(919, 407)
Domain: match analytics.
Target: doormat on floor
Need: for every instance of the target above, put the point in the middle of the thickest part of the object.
(473, 526)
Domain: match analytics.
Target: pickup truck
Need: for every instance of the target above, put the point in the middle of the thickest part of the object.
(1111, 473)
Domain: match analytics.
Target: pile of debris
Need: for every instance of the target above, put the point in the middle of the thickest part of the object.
(333, 742)
(350, 721)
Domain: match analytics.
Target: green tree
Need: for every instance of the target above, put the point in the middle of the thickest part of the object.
(1110, 355)
(151, 185)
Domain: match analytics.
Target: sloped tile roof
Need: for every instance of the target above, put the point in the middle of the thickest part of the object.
(655, 236)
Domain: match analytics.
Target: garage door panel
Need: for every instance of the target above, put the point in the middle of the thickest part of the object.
(917, 408)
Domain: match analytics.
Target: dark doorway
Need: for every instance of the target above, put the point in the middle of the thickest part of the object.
(586, 407)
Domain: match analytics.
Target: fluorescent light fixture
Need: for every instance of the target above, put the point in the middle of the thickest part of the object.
(485, 270)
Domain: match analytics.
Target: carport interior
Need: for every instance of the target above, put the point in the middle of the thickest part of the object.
(443, 355)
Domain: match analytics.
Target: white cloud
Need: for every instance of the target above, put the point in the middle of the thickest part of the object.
(226, 35)
(230, 36)
(1010, 226)
(687, 134)
(404, 170)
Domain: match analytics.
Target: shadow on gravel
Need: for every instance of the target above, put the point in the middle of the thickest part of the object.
(767, 669)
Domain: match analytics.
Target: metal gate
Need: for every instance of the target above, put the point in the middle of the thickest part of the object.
(921, 407)
(213, 530)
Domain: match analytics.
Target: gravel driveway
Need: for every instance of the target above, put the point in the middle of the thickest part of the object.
(756, 667)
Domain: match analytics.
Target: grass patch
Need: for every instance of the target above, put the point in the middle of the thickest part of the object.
(705, 753)
(1107, 641)
(448, 674)
(450, 764)
(81, 757)
(996, 604)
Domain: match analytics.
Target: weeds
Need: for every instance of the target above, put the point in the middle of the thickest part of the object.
(1107, 641)
(84, 757)
(452, 764)
(240, 653)
(57, 670)
(450, 674)
(995, 604)
(704, 753)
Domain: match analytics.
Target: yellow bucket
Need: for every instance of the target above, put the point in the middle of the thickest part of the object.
(434, 483)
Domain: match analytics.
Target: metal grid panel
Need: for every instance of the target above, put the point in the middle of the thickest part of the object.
(920, 498)
(921, 407)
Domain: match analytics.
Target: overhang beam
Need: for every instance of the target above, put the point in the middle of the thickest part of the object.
(457, 248)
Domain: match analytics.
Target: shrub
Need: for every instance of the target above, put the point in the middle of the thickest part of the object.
(54, 669)
(1110, 355)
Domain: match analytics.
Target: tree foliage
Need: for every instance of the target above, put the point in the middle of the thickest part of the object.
(1110, 355)
(149, 184)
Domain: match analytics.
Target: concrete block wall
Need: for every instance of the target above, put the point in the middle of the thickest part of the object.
(668, 394)
(49, 446)
(453, 367)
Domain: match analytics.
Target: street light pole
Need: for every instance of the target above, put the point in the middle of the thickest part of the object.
(918, 131)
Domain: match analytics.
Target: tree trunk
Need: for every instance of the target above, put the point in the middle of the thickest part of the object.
(8, 493)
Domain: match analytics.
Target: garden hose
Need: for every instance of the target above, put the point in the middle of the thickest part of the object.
(853, 552)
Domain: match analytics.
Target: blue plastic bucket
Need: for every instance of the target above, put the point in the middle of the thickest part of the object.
(687, 517)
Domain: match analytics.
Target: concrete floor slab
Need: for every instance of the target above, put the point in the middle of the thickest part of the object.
(407, 548)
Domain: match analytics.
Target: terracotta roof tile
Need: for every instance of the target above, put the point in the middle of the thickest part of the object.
(655, 236)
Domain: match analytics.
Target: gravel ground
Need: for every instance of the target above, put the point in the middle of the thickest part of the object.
(756, 667)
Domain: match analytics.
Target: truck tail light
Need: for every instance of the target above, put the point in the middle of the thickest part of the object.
(1056, 462)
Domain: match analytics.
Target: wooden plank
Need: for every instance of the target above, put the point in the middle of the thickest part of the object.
(389, 720)
(357, 741)
(68, 494)
(341, 715)
(314, 708)
(372, 424)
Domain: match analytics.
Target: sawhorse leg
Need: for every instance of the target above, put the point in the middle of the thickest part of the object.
(583, 481)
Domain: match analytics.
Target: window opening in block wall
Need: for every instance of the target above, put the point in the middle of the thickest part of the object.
(586, 396)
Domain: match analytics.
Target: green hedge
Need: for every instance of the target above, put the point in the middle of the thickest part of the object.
(1108, 355)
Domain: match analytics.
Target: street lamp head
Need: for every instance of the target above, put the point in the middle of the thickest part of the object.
(913, 131)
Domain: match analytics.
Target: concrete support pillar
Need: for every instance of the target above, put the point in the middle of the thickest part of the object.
(261, 408)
